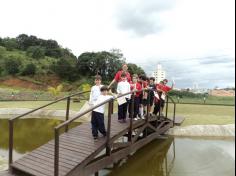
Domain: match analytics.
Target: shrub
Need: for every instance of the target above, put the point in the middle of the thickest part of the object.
(12, 65)
(30, 69)
(36, 52)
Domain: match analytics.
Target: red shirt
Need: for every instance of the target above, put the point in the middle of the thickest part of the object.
(163, 87)
(118, 76)
(137, 86)
(145, 84)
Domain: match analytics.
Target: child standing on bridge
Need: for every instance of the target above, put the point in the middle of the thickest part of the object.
(97, 119)
(122, 88)
(135, 86)
(95, 90)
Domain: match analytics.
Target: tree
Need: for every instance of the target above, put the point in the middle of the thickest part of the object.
(30, 69)
(24, 41)
(134, 69)
(36, 52)
(104, 63)
(1, 70)
(9, 43)
(64, 70)
(12, 66)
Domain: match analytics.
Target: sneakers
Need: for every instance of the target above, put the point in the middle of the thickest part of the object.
(143, 117)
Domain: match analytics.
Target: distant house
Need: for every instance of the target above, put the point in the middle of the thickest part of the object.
(222, 92)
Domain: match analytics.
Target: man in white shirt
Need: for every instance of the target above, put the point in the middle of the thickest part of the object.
(95, 90)
(97, 119)
(122, 88)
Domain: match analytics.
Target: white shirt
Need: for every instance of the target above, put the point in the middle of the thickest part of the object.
(101, 99)
(124, 87)
(94, 94)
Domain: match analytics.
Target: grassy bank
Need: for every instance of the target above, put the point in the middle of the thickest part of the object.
(209, 100)
(34, 104)
(204, 114)
(194, 114)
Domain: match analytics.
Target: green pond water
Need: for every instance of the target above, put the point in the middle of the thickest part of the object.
(162, 157)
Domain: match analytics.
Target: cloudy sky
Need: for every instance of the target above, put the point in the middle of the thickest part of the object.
(194, 40)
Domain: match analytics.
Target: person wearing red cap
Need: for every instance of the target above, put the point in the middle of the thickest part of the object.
(117, 78)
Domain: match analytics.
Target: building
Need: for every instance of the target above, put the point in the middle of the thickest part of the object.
(159, 74)
(195, 86)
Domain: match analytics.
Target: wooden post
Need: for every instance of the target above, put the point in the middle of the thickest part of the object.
(131, 118)
(11, 133)
(112, 109)
(56, 153)
(67, 112)
(108, 147)
(167, 103)
(148, 107)
(174, 114)
(160, 108)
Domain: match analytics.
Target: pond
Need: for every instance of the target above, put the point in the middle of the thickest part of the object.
(162, 157)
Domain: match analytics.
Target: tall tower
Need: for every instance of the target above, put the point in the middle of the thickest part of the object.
(159, 74)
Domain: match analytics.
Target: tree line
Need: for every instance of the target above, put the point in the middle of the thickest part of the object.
(38, 56)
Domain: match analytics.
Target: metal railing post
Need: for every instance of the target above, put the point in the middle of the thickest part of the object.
(56, 153)
(167, 103)
(67, 112)
(131, 118)
(11, 133)
(108, 147)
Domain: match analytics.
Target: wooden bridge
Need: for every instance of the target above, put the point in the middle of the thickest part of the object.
(73, 152)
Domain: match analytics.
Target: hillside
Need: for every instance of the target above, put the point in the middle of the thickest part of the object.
(31, 62)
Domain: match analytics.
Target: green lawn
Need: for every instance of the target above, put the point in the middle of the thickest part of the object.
(209, 100)
(34, 104)
(204, 114)
(194, 114)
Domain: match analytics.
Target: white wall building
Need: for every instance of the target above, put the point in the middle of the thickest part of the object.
(159, 74)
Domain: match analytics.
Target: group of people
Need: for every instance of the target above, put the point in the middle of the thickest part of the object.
(148, 97)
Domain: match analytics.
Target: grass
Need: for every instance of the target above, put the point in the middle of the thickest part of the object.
(204, 114)
(34, 104)
(209, 100)
(193, 114)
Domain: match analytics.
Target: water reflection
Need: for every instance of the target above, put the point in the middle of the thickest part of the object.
(163, 157)
(152, 160)
(181, 157)
(28, 133)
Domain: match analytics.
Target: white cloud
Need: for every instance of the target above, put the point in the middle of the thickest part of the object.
(146, 31)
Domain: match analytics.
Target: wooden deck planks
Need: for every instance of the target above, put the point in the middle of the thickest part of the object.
(75, 146)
